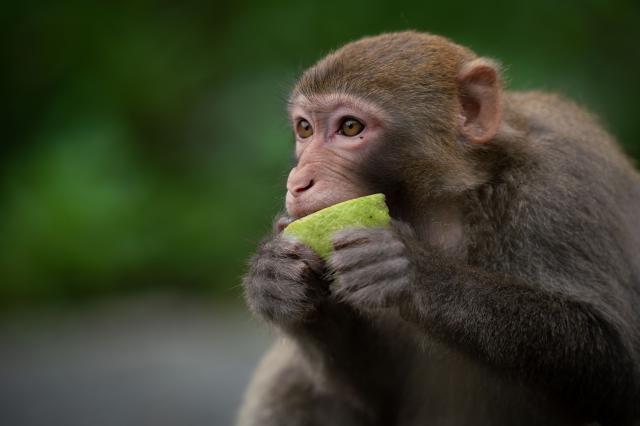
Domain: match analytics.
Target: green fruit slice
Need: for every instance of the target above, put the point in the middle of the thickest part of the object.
(316, 229)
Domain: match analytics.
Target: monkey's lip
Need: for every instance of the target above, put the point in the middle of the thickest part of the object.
(299, 207)
(302, 206)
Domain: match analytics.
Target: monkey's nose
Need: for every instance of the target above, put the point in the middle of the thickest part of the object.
(299, 187)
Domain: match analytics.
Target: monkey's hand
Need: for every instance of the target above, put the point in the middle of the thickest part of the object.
(284, 284)
(371, 266)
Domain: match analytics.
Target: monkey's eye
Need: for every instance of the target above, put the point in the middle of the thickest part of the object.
(304, 129)
(350, 127)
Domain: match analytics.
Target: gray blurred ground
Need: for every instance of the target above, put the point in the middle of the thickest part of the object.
(152, 361)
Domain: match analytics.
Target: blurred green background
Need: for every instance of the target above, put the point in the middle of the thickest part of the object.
(145, 145)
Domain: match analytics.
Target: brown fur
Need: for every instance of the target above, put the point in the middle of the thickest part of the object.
(505, 292)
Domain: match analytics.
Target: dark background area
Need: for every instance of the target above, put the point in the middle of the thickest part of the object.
(144, 152)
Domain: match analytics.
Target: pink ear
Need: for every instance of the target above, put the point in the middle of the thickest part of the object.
(480, 93)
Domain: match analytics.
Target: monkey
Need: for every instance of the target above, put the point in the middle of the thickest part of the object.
(506, 290)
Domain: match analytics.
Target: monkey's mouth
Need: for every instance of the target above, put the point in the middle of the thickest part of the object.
(304, 205)
(298, 208)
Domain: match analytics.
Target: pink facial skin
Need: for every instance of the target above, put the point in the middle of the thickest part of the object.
(326, 171)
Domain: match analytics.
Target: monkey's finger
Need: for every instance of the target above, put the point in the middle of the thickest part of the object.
(355, 236)
(382, 295)
(294, 248)
(373, 275)
(280, 223)
(290, 246)
(287, 246)
(348, 258)
(386, 270)
(274, 260)
(286, 285)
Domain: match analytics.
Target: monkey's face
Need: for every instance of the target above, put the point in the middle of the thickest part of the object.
(397, 120)
(334, 136)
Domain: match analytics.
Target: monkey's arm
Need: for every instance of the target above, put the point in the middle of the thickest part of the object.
(566, 345)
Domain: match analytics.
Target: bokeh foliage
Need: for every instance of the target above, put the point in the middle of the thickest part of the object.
(145, 143)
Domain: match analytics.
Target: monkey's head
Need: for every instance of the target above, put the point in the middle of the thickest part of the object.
(402, 113)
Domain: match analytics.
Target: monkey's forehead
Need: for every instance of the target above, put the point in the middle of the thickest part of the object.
(327, 102)
(387, 68)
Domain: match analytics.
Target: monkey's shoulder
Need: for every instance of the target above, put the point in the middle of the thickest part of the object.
(556, 116)
(541, 103)
(567, 139)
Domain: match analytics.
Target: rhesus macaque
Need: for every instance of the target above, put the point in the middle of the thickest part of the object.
(507, 289)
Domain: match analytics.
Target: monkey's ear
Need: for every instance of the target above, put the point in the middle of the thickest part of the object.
(480, 94)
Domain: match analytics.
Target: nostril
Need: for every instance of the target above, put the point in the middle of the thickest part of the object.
(304, 188)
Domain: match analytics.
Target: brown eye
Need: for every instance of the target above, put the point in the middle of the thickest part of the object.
(304, 129)
(351, 127)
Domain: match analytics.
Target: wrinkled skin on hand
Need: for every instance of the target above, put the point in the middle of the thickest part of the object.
(371, 266)
(285, 283)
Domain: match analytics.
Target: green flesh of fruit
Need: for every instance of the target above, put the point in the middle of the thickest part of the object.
(317, 229)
